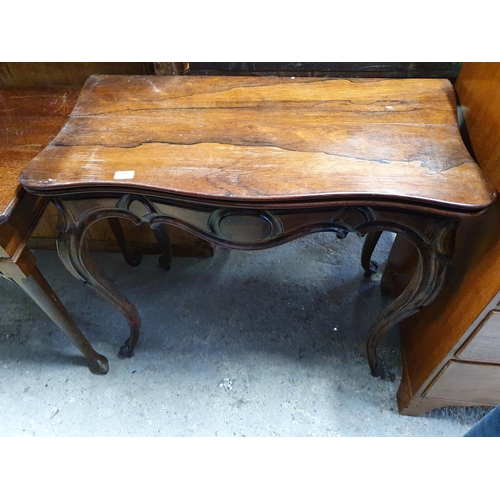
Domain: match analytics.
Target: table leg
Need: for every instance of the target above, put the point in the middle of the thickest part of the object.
(131, 256)
(134, 258)
(160, 231)
(434, 245)
(371, 240)
(73, 250)
(35, 286)
(435, 253)
(161, 234)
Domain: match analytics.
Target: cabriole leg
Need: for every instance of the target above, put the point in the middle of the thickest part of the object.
(369, 245)
(435, 257)
(161, 234)
(159, 230)
(74, 253)
(131, 256)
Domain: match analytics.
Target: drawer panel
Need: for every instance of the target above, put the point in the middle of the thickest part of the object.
(467, 382)
(484, 344)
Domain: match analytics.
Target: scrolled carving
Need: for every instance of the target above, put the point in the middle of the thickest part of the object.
(247, 229)
(343, 219)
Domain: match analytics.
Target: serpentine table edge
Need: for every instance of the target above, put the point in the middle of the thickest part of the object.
(253, 162)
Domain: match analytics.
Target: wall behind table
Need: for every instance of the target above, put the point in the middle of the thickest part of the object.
(101, 238)
(67, 73)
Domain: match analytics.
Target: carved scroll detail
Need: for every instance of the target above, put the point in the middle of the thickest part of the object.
(434, 249)
(435, 258)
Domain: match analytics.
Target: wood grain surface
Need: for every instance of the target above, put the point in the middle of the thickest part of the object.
(433, 337)
(263, 139)
(29, 119)
(484, 344)
(478, 89)
(468, 383)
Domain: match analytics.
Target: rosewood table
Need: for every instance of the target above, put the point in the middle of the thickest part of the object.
(253, 162)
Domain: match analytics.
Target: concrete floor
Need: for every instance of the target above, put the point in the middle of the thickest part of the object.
(267, 343)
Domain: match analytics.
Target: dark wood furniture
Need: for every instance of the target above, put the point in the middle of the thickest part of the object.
(451, 350)
(19, 77)
(29, 119)
(254, 162)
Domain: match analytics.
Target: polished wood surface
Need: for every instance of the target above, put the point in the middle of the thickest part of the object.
(259, 139)
(478, 89)
(436, 336)
(29, 119)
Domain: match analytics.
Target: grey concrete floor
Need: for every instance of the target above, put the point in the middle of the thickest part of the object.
(266, 343)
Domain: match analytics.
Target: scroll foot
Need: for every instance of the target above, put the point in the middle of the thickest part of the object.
(126, 350)
(380, 371)
(74, 253)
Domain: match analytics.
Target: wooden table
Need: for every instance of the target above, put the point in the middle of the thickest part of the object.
(253, 162)
(29, 118)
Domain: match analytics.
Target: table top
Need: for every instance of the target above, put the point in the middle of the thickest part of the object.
(255, 140)
(30, 117)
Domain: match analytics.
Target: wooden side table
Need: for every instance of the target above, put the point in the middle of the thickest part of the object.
(253, 162)
(29, 119)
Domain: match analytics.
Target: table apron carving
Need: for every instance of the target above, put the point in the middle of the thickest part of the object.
(247, 228)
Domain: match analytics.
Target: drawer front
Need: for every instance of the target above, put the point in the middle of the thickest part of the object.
(484, 344)
(467, 382)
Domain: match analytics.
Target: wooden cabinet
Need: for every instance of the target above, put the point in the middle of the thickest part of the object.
(467, 383)
(484, 344)
(473, 376)
(451, 349)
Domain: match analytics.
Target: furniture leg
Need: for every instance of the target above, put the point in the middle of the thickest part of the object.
(161, 234)
(369, 245)
(435, 257)
(73, 251)
(131, 256)
(434, 246)
(36, 287)
(160, 231)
